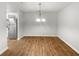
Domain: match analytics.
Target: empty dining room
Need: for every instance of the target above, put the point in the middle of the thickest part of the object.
(39, 28)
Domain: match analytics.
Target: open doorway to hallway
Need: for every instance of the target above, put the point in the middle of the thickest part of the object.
(12, 26)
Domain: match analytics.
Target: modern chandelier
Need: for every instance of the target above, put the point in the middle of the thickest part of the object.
(40, 19)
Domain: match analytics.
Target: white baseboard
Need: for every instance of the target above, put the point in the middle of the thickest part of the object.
(68, 44)
(43, 35)
(37, 35)
(3, 50)
(20, 37)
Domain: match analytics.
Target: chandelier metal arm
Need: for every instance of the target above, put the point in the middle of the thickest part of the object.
(40, 10)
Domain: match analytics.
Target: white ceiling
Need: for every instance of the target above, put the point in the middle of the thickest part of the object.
(46, 6)
(34, 6)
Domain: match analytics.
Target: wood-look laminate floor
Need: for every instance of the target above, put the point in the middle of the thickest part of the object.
(38, 46)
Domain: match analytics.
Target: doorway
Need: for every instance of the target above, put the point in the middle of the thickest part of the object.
(12, 26)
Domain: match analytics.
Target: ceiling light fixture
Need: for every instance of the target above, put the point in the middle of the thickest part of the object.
(40, 19)
(43, 20)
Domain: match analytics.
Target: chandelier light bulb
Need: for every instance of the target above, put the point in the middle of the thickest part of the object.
(38, 20)
(43, 20)
(40, 15)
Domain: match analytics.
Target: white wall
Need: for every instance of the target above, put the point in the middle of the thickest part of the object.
(31, 27)
(3, 29)
(20, 25)
(68, 25)
(14, 7)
